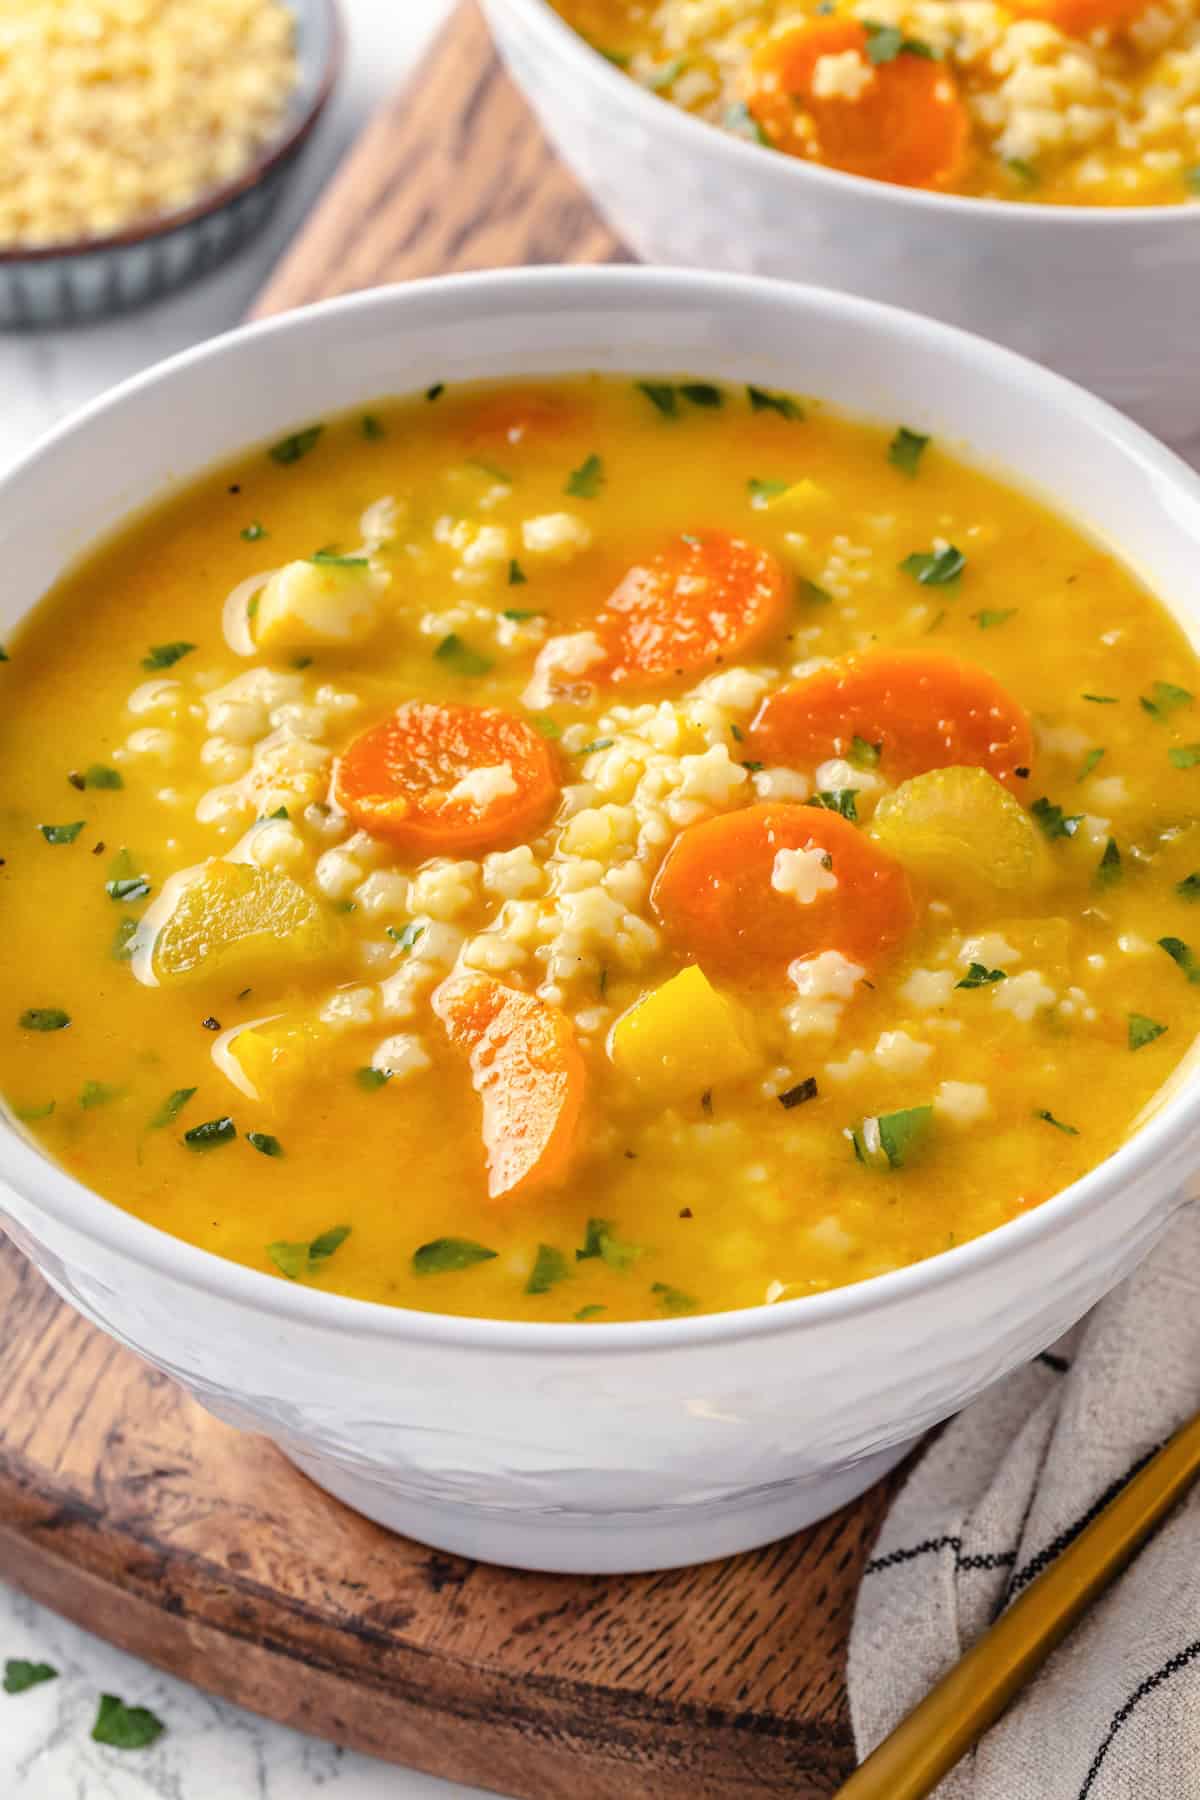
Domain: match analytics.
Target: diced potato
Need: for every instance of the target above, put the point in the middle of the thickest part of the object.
(277, 1056)
(681, 1038)
(225, 917)
(310, 604)
(959, 829)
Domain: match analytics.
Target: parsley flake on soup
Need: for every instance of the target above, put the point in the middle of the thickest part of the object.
(792, 888)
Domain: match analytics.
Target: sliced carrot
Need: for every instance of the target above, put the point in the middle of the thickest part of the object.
(923, 711)
(1079, 18)
(401, 779)
(516, 415)
(717, 899)
(900, 120)
(528, 1073)
(705, 597)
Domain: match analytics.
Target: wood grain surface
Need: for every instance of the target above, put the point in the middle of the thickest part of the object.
(126, 1507)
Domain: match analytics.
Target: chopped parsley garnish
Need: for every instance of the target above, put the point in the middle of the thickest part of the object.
(445, 1256)
(889, 1141)
(740, 120)
(550, 1267)
(906, 449)
(520, 614)
(752, 768)
(97, 1093)
(291, 449)
(1143, 1030)
(1089, 763)
(1182, 756)
(672, 1299)
(549, 728)
(436, 391)
(987, 621)
(253, 533)
(121, 949)
(44, 1018)
(165, 656)
(1048, 1118)
(62, 834)
(1053, 821)
(516, 574)
(619, 58)
(1191, 178)
(171, 1108)
(1165, 698)
(297, 1260)
(97, 775)
(590, 1312)
(783, 404)
(885, 43)
(736, 733)
(4, 656)
(411, 934)
(264, 1143)
(1109, 868)
(127, 888)
(838, 800)
(585, 482)
(490, 468)
(702, 393)
(1182, 954)
(661, 395)
(124, 1727)
(599, 1241)
(211, 1134)
(370, 1078)
(935, 568)
(460, 658)
(596, 744)
(20, 1676)
(814, 591)
(30, 1114)
(1101, 699)
(979, 975)
(1023, 171)
(763, 492)
(372, 428)
(1189, 887)
(330, 559)
(863, 755)
(796, 1096)
(665, 74)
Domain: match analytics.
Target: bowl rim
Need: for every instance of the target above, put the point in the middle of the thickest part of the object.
(1162, 1141)
(276, 151)
(541, 20)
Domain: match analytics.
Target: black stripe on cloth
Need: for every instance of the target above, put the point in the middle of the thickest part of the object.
(991, 1559)
(1059, 1364)
(1172, 1666)
(1033, 1568)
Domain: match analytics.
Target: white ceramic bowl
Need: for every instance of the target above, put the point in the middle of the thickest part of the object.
(632, 1446)
(1104, 295)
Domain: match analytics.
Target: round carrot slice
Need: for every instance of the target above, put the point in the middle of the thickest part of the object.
(923, 712)
(528, 1073)
(439, 780)
(747, 893)
(1079, 18)
(816, 92)
(703, 598)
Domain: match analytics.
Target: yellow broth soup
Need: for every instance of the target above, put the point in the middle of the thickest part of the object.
(1079, 102)
(594, 850)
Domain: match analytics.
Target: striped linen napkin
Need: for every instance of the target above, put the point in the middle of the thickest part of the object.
(1115, 1713)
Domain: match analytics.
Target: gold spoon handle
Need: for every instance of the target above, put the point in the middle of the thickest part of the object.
(942, 1727)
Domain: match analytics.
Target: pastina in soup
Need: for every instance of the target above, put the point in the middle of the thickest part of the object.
(594, 850)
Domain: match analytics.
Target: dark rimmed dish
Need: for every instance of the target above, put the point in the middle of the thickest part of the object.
(89, 279)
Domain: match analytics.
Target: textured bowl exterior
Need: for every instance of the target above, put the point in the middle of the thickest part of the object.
(626, 1446)
(80, 285)
(1103, 295)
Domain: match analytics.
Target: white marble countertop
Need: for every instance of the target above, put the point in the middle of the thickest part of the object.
(209, 1751)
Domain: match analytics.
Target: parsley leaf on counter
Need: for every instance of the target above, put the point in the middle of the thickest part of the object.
(20, 1676)
(125, 1727)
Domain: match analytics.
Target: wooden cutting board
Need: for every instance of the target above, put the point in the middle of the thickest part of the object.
(126, 1507)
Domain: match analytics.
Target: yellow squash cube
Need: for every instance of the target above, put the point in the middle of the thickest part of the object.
(681, 1038)
(277, 1056)
(960, 830)
(310, 605)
